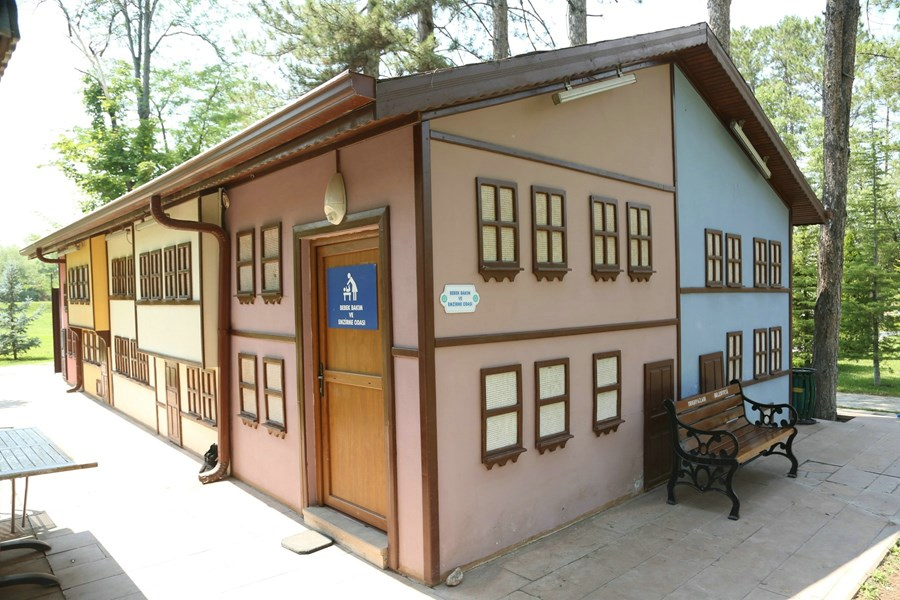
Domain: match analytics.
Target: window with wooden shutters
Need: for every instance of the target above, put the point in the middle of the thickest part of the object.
(79, 285)
(712, 372)
(151, 275)
(91, 349)
(760, 353)
(775, 356)
(122, 277)
(760, 263)
(246, 269)
(183, 287)
(551, 427)
(733, 261)
(774, 264)
(501, 415)
(270, 263)
(548, 211)
(249, 398)
(734, 355)
(605, 240)
(201, 394)
(129, 362)
(640, 248)
(169, 274)
(714, 259)
(498, 229)
(273, 382)
(607, 392)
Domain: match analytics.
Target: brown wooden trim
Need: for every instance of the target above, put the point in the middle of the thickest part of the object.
(246, 385)
(677, 372)
(734, 360)
(733, 290)
(776, 331)
(540, 334)
(170, 302)
(367, 219)
(279, 428)
(559, 439)
(431, 523)
(270, 296)
(170, 358)
(259, 335)
(549, 270)
(468, 142)
(775, 266)
(299, 356)
(749, 382)
(760, 353)
(400, 351)
(760, 263)
(501, 456)
(245, 296)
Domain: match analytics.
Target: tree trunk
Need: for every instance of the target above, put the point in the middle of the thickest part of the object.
(841, 18)
(720, 21)
(577, 22)
(426, 22)
(146, 21)
(501, 29)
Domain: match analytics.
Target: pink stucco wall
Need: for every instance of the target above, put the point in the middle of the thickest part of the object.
(628, 131)
(377, 173)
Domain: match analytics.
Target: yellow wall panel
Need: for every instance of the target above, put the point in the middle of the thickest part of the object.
(135, 400)
(99, 283)
(80, 315)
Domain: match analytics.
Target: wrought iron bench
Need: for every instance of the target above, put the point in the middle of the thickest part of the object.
(717, 432)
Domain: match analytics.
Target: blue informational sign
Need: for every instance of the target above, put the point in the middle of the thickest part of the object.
(352, 297)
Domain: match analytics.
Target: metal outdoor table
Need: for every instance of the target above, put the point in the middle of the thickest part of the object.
(25, 452)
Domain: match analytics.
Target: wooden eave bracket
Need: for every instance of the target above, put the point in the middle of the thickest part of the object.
(246, 298)
(272, 298)
(273, 429)
(249, 420)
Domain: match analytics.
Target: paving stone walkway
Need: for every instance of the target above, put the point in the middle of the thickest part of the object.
(141, 526)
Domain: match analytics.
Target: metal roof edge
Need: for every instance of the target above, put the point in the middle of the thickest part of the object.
(347, 88)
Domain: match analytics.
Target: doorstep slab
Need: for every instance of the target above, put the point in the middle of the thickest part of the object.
(306, 542)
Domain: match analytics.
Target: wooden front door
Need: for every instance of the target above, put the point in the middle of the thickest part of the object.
(659, 385)
(173, 403)
(350, 402)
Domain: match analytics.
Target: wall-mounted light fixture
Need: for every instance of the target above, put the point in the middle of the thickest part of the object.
(570, 93)
(759, 161)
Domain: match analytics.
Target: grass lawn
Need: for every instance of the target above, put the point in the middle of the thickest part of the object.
(855, 376)
(42, 327)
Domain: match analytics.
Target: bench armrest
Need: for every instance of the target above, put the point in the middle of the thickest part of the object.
(709, 444)
(771, 415)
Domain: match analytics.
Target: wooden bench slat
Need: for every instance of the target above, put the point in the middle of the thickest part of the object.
(683, 407)
(727, 419)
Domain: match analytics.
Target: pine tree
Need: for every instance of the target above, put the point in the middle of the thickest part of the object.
(15, 317)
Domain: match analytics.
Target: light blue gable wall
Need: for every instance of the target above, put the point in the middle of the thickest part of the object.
(720, 188)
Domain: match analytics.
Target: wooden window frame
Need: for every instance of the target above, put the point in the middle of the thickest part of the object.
(760, 353)
(249, 418)
(734, 277)
(245, 296)
(501, 456)
(183, 276)
(169, 275)
(715, 261)
(776, 358)
(498, 269)
(130, 362)
(734, 362)
(122, 269)
(90, 347)
(760, 263)
(201, 394)
(556, 440)
(601, 267)
(774, 264)
(549, 270)
(274, 394)
(611, 424)
(79, 285)
(272, 296)
(636, 271)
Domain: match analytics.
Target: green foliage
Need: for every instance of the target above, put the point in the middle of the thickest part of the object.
(36, 276)
(805, 277)
(42, 328)
(17, 315)
(320, 39)
(855, 376)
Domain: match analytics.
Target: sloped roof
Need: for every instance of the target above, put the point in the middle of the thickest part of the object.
(9, 31)
(351, 104)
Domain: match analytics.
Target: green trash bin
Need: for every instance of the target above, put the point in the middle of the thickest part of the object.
(803, 394)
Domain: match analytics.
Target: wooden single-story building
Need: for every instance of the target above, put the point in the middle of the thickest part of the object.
(449, 306)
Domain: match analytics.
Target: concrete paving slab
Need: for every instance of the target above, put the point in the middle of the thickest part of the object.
(306, 542)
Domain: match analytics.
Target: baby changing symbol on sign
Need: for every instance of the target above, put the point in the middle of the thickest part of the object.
(352, 297)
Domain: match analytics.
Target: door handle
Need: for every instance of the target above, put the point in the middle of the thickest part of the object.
(321, 380)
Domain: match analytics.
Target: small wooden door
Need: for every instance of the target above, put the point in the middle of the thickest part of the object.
(659, 385)
(350, 363)
(712, 372)
(103, 390)
(173, 403)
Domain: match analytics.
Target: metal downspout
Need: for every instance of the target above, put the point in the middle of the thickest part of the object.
(39, 254)
(223, 408)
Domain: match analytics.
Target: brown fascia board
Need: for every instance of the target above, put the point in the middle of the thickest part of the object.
(339, 96)
(685, 46)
